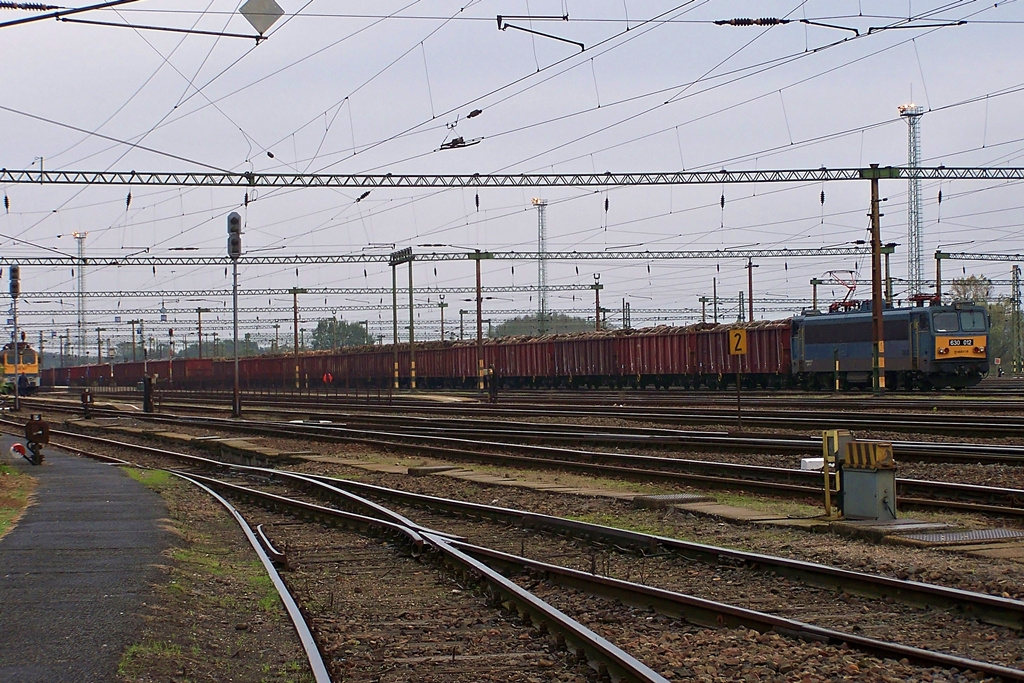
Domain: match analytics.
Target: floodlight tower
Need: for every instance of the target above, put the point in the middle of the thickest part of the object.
(80, 238)
(913, 113)
(542, 263)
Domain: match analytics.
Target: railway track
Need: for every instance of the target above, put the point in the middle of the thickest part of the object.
(803, 416)
(490, 448)
(776, 481)
(353, 496)
(612, 436)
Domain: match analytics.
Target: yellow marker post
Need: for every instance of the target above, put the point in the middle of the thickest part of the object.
(834, 445)
(738, 347)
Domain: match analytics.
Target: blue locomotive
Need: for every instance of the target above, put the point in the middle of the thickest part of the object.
(931, 347)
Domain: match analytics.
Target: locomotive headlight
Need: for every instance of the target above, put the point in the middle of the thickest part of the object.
(979, 349)
(943, 351)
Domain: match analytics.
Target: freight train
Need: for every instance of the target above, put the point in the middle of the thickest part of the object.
(926, 347)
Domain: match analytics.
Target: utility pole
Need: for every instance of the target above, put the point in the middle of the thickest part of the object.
(814, 291)
(295, 291)
(714, 295)
(877, 324)
(597, 287)
(887, 251)
(442, 305)
(99, 345)
(462, 327)
(277, 338)
(395, 259)
(199, 319)
(750, 287)
(80, 239)
(1016, 319)
(133, 323)
(478, 256)
(412, 332)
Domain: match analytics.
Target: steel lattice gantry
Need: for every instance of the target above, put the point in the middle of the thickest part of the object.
(343, 291)
(437, 256)
(226, 179)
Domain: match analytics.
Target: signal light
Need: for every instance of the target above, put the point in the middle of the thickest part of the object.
(234, 235)
(15, 272)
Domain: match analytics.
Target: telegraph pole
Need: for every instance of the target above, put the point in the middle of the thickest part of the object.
(597, 287)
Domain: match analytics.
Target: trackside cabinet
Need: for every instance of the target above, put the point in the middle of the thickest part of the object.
(869, 481)
(866, 474)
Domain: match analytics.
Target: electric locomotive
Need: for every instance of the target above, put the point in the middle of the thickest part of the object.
(28, 367)
(932, 347)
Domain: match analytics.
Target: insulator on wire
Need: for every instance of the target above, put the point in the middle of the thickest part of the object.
(722, 201)
(606, 205)
(746, 21)
(940, 196)
(128, 200)
(823, 197)
(7, 203)
(246, 202)
(477, 201)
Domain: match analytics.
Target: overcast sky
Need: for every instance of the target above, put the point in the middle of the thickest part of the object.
(356, 87)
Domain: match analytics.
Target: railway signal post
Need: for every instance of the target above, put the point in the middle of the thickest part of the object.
(15, 274)
(234, 251)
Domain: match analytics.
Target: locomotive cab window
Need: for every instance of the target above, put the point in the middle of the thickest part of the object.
(945, 321)
(972, 321)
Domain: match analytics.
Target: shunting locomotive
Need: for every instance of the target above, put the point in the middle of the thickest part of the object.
(27, 375)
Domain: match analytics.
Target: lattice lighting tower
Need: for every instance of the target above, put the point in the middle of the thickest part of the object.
(915, 280)
(542, 263)
(80, 238)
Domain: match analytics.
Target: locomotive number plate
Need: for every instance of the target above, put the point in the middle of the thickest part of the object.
(961, 342)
